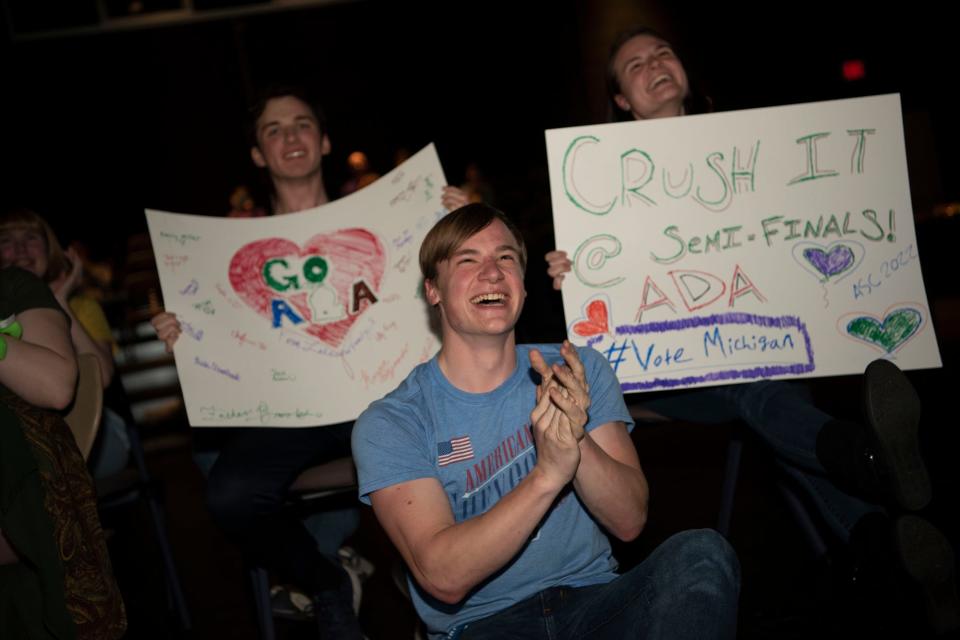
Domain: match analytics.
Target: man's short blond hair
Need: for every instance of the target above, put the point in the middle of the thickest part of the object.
(455, 228)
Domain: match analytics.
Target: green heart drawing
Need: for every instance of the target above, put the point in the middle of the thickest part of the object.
(897, 328)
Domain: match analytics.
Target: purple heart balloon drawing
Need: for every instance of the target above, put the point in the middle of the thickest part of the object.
(830, 263)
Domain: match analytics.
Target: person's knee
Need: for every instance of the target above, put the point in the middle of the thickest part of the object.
(705, 558)
(231, 500)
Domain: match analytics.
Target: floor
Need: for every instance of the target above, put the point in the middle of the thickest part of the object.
(786, 591)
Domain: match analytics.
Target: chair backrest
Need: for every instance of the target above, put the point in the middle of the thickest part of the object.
(84, 417)
(336, 476)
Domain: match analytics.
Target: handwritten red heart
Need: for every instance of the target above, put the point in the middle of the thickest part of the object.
(596, 322)
(352, 255)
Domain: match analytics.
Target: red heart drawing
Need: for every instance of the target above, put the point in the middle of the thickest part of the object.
(320, 289)
(596, 322)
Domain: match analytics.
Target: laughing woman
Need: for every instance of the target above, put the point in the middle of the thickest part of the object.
(859, 475)
(55, 575)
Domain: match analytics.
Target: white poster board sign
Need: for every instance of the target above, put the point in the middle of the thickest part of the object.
(301, 319)
(728, 247)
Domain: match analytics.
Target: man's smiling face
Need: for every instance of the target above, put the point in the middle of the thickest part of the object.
(290, 144)
(479, 288)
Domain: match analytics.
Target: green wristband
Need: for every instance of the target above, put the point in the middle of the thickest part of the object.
(11, 327)
(3, 346)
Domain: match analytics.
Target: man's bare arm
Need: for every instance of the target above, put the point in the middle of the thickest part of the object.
(441, 553)
(609, 479)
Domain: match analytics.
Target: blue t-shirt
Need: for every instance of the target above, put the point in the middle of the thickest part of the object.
(479, 446)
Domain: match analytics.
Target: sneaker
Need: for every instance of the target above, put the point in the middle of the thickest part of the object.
(349, 558)
(892, 410)
(289, 603)
(359, 569)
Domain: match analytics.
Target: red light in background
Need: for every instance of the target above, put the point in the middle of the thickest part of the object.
(854, 70)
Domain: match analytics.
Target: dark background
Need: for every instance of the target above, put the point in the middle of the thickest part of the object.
(97, 126)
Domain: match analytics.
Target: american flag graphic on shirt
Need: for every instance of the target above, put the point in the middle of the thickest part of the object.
(454, 450)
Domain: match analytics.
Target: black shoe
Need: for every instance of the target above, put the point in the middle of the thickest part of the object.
(333, 609)
(903, 576)
(892, 409)
(927, 558)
